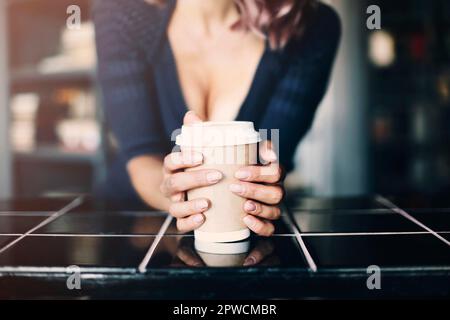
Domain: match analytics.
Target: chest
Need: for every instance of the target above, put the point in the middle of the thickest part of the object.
(216, 76)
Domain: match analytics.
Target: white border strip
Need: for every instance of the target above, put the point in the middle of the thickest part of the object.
(75, 203)
(143, 265)
(398, 210)
(312, 265)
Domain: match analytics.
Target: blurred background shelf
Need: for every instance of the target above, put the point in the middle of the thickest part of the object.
(57, 154)
(54, 99)
(29, 79)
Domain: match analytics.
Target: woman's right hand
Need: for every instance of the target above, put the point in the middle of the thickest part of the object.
(177, 182)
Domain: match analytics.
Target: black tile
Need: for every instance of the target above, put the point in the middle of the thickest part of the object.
(405, 251)
(282, 226)
(35, 204)
(4, 240)
(19, 224)
(95, 252)
(103, 223)
(350, 203)
(316, 221)
(421, 201)
(91, 204)
(438, 221)
(174, 252)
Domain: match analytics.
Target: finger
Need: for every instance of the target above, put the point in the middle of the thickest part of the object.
(187, 208)
(190, 223)
(178, 197)
(261, 210)
(258, 192)
(191, 117)
(259, 226)
(267, 152)
(181, 160)
(267, 174)
(189, 257)
(261, 251)
(183, 181)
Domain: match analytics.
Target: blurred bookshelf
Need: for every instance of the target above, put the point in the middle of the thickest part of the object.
(29, 79)
(409, 97)
(56, 125)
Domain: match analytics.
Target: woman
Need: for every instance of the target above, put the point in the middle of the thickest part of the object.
(252, 60)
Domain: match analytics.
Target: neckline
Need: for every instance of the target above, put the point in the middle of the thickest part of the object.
(182, 104)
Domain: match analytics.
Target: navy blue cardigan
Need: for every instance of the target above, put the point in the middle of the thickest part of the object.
(143, 100)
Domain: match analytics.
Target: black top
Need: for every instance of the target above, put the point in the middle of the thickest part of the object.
(143, 100)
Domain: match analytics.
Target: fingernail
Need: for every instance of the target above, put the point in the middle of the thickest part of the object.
(198, 218)
(242, 174)
(250, 206)
(249, 261)
(213, 177)
(236, 188)
(201, 204)
(249, 221)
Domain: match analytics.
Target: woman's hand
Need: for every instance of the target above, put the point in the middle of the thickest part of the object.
(176, 183)
(260, 185)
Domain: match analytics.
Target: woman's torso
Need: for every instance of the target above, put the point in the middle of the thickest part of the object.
(215, 65)
(280, 89)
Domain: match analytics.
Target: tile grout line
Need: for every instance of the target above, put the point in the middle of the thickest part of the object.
(73, 204)
(312, 265)
(143, 265)
(405, 214)
(375, 233)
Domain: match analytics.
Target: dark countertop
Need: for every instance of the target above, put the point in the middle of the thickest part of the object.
(322, 248)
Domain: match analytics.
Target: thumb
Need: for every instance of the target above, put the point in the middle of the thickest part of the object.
(191, 117)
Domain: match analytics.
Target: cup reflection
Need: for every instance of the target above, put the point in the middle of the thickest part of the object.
(216, 254)
(245, 253)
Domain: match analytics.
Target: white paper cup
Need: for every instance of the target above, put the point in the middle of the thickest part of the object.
(226, 147)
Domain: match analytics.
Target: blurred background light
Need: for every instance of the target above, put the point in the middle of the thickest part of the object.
(381, 48)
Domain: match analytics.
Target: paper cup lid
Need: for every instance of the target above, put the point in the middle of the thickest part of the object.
(217, 134)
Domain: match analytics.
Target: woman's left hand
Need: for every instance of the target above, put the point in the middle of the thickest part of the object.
(261, 186)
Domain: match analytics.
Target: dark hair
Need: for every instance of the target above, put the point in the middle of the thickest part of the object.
(276, 20)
